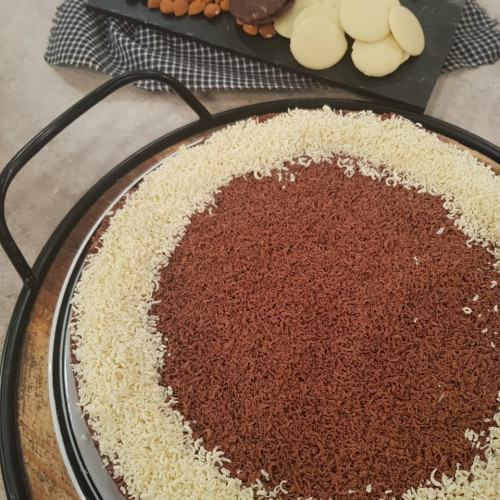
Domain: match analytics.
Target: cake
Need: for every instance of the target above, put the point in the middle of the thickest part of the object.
(302, 306)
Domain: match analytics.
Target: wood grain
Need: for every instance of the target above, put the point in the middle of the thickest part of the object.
(44, 467)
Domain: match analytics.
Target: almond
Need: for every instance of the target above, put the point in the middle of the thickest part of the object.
(167, 6)
(211, 10)
(250, 29)
(239, 23)
(181, 7)
(224, 5)
(196, 7)
(267, 30)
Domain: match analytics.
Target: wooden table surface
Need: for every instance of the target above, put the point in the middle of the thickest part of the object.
(46, 474)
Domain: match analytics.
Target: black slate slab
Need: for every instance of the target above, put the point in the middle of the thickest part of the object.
(409, 87)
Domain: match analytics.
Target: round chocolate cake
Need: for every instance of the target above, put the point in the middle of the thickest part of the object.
(303, 306)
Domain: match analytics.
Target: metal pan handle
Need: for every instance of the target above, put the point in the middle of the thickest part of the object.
(58, 125)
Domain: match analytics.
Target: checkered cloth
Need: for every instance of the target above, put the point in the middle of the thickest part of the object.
(82, 37)
(476, 40)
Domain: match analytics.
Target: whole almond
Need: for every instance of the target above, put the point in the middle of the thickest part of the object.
(239, 23)
(196, 7)
(154, 4)
(211, 10)
(224, 5)
(267, 30)
(181, 7)
(250, 29)
(167, 6)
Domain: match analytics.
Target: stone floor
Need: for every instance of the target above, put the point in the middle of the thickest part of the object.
(32, 93)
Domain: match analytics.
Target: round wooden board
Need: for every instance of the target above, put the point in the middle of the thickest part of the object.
(45, 471)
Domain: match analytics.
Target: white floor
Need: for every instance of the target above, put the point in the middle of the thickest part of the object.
(32, 93)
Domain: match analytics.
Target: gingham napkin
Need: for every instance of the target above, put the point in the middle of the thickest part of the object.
(82, 37)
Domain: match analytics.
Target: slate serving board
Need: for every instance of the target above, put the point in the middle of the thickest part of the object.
(409, 87)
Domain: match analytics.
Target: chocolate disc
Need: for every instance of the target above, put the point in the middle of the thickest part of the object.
(258, 11)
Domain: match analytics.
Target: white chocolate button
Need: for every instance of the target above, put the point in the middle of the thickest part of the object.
(407, 30)
(317, 43)
(379, 58)
(331, 3)
(365, 20)
(284, 24)
(392, 3)
(332, 14)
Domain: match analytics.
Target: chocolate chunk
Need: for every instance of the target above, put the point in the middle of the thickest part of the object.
(258, 11)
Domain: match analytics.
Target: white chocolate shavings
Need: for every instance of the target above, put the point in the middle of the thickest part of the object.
(118, 349)
(471, 435)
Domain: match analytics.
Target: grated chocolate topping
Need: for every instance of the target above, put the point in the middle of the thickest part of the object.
(316, 331)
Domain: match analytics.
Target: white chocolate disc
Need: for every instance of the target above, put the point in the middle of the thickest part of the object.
(405, 57)
(379, 58)
(284, 24)
(407, 30)
(318, 10)
(331, 3)
(392, 3)
(365, 20)
(318, 43)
